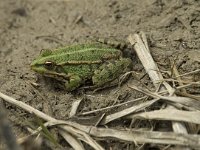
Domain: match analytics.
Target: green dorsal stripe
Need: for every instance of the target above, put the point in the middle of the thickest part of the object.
(86, 50)
(79, 62)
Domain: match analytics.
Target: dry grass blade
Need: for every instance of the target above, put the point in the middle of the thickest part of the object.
(188, 73)
(191, 104)
(23, 139)
(46, 133)
(82, 132)
(140, 137)
(154, 73)
(137, 136)
(65, 127)
(73, 141)
(170, 114)
(188, 95)
(77, 145)
(176, 73)
(82, 136)
(146, 58)
(113, 106)
(74, 108)
(127, 111)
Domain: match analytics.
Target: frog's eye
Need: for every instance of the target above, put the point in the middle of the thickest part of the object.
(49, 64)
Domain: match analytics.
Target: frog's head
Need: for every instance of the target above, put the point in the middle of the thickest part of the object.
(43, 63)
(41, 66)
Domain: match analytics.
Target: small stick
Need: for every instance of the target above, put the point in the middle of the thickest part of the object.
(176, 73)
(113, 106)
(188, 73)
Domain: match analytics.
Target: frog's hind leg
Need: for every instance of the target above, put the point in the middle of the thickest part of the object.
(110, 71)
(119, 44)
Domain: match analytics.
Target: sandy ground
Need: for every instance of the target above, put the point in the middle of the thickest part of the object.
(27, 26)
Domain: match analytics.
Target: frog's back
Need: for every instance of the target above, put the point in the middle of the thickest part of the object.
(81, 59)
(85, 58)
(85, 46)
(79, 63)
(83, 52)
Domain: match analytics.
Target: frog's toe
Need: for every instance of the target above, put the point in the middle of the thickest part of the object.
(73, 83)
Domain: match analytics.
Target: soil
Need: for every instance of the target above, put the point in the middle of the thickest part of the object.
(26, 27)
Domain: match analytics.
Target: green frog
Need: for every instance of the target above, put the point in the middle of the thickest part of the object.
(75, 65)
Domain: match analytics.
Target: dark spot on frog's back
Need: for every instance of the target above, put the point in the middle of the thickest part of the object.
(92, 51)
(108, 57)
(80, 66)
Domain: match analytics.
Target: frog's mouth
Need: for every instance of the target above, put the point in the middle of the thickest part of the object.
(42, 68)
(48, 73)
(38, 68)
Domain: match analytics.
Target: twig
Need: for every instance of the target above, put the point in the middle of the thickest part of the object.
(114, 106)
(190, 103)
(176, 73)
(185, 82)
(174, 114)
(195, 71)
(128, 111)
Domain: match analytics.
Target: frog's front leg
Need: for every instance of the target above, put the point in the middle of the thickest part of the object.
(110, 71)
(73, 82)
